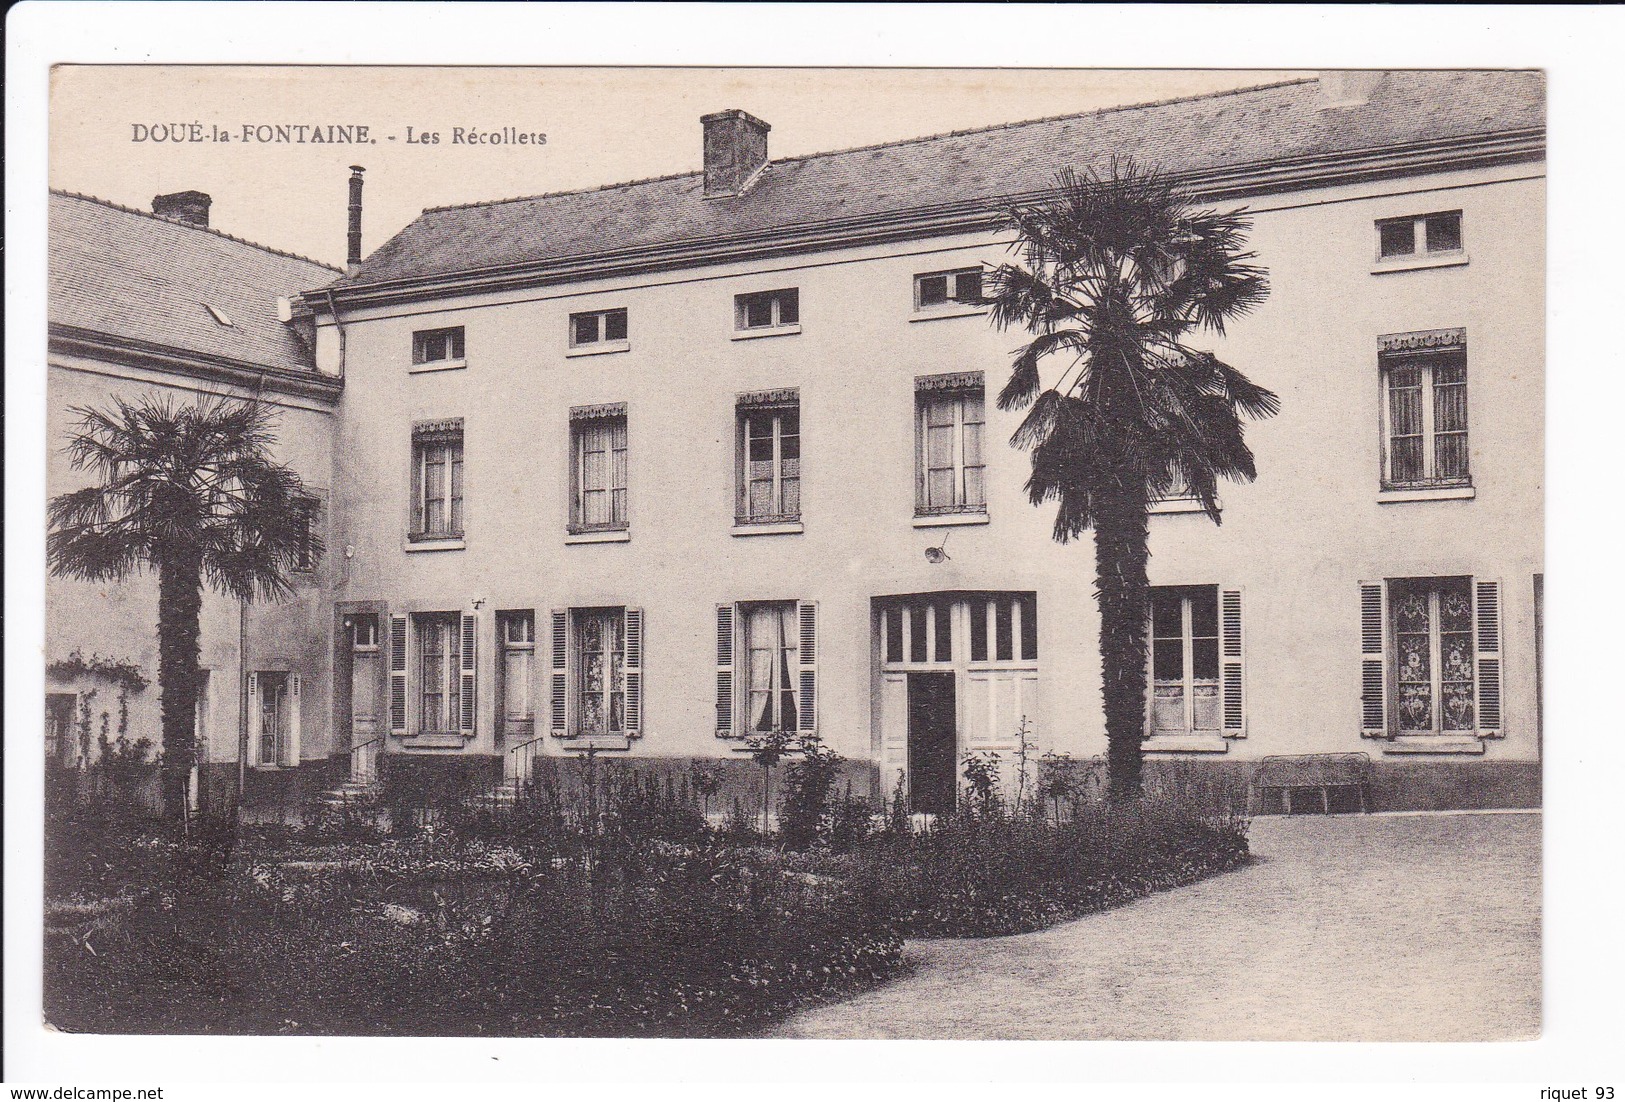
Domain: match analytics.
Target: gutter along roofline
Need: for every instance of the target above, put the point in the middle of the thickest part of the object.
(72, 340)
(1238, 182)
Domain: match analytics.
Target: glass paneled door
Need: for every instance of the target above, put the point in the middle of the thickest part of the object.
(273, 709)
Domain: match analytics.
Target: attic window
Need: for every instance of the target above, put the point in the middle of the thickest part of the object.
(218, 315)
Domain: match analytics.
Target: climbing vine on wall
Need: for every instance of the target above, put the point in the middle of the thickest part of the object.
(126, 673)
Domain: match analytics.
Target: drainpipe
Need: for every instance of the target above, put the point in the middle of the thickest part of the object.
(333, 309)
(242, 668)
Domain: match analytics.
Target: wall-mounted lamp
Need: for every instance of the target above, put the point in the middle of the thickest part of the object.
(939, 553)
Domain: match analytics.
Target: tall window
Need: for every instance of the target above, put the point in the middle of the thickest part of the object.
(597, 327)
(311, 535)
(767, 309)
(1424, 411)
(769, 474)
(771, 660)
(437, 480)
(600, 682)
(435, 346)
(1184, 660)
(949, 468)
(935, 290)
(439, 659)
(1433, 654)
(598, 468)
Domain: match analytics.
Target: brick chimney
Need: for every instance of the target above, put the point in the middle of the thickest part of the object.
(191, 207)
(735, 152)
(352, 253)
(1347, 87)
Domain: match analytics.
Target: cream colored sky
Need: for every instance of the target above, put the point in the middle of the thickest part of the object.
(603, 126)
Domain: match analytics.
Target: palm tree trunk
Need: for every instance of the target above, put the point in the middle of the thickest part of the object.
(1121, 551)
(180, 606)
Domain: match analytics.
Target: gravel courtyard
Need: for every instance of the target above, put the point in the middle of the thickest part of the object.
(1352, 927)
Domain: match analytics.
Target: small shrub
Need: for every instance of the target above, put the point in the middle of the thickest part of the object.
(808, 782)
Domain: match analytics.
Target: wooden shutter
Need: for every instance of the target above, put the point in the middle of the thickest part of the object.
(632, 670)
(1230, 659)
(397, 674)
(253, 719)
(467, 673)
(807, 668)
(289, 750)
(1487, 631)
(558, 674)
(725, 671)
(1373, 659)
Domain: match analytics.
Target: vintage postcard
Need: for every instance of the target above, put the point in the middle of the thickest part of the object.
(795, 553)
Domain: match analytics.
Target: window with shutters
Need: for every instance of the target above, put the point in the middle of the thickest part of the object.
(437, 480)
(769, 464)
(1424, 412)
(949, 467)
(1194, 661)
(768, 650)
(1431, 660)
(595, 675)
(1184, 642)
(1433, 655)
(770, 663)
(598, 498)
(599, 638)
(439, 660)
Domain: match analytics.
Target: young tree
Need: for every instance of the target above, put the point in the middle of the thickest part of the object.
(1115, 272)
(191, 493)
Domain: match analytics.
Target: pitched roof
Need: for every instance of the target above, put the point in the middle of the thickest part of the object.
(1204, 134)
(141, 277)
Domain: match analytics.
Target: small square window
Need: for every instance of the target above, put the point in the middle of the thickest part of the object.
(437, 345)
(767, 309)
(938, 289)
(597, 327)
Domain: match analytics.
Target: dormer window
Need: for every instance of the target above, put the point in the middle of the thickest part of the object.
(437, 349)
(596, 331)
(767, 312)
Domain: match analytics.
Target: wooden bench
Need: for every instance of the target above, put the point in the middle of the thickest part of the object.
(1288, 773)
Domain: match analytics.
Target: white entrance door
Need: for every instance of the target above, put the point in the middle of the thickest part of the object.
(989, 642)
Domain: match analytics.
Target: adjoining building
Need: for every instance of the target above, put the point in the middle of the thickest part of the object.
(650, 468)
(158, 304)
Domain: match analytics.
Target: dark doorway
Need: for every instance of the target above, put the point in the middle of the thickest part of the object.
(931, 742)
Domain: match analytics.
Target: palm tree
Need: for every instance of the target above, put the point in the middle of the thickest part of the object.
(191, 493)
(1116, 272)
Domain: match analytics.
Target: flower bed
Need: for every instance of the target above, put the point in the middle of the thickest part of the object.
(469, 939)
(531, 922)
(983, 877)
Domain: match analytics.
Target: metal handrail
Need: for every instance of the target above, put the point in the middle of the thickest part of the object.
(355, 751)
(521, 765)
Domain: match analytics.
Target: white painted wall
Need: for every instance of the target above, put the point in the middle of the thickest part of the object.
(1297, 541)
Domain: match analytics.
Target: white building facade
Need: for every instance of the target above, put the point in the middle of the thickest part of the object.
(654, 468)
